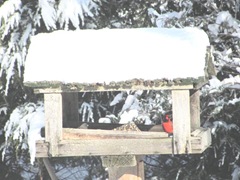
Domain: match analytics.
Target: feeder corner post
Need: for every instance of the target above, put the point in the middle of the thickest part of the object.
(129, 172)
(195, 109)
(53, 120)
(181, 121)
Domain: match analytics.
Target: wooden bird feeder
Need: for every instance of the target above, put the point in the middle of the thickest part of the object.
(62, 64)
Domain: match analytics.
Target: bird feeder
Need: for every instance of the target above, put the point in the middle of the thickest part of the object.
(61, 64)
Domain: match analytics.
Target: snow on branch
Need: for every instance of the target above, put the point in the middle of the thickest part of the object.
(48, 13)
(23, 128)
(74, 11)
(19, 20)
(9, 14)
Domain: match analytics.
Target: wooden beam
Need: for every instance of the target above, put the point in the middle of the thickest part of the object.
(50, 169)
(101, 88)
(53, 121)
(42, 148)
(87, 134)
(104, 126)
(67, 148)
(195, 109)
(181, 121)
(200, 139)
(115, 147)
(128, 173)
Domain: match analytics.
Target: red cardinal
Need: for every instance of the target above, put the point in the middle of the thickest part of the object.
(167, 125)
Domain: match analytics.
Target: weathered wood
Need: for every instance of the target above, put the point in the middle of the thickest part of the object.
(128, 173)
(49, 169)
(40, 167)
(200, 139)
(42, 148)
(84, 134)
(92, 88)
(53, 121)
(104, 126)
(70, 107)
(195, 109)
(107, 147)
(181, 121)
(140, 167)
(116, 147)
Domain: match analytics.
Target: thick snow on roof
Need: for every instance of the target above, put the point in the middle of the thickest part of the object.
(97, 56)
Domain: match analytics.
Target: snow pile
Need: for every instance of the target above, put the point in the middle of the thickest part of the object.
(236, 173)
(217, 85)
(24, 127)
(141, 107)
(98, 56)
(225, 18)
(161, 19)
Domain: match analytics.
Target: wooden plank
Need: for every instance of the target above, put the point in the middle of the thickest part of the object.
(70, 108)
(84, 134)
(196, 132)
(69, 148)
(195, 109)
(104, 126)
(140, 167)
(181, 121)
(127, 173)
(201, 139)
(206, 138)
(53, 121)
(50, 169)
(115, 147)
(101, 88)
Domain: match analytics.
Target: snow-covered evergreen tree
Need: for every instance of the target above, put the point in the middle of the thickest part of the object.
(20, 19)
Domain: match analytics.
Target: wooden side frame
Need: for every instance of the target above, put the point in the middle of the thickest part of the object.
(186, 119)
(53, 121)
(200, 139)
(181, 121)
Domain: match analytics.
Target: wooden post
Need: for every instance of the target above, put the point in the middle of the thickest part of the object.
(181, 121)
(50, 169)
(53, 121)
(128, 173)
(195, 109)
(70, 109)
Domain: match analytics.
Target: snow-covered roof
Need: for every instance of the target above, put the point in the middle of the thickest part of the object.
(116, 55)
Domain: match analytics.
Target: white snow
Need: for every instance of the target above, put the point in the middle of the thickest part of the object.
(91, 56)
(130, 103)
(104, 120)
(215, 84)
(118, 98)
(3, 110)
(35, 125)
(128, 116)
(224, 18)
(48, 13)
(24, 126)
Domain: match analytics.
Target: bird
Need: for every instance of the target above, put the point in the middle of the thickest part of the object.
(167, 125)
(83, 126)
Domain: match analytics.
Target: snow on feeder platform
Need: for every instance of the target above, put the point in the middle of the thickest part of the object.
(62, 63)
